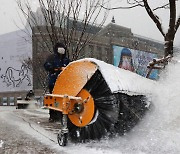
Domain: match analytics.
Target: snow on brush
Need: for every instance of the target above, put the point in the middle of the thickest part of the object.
(124, 81)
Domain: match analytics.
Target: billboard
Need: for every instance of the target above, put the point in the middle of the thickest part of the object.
(15, 75)
(134, 60)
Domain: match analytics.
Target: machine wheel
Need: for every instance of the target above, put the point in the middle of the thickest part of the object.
(62, 138)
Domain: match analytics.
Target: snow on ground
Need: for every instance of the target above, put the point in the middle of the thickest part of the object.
(157, 133)
(16, 135)
(1, 143)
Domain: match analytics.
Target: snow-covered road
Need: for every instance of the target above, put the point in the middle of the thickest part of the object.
(28, 131)
(15, 135)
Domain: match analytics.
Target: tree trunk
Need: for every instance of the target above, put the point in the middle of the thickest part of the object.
(168, 46)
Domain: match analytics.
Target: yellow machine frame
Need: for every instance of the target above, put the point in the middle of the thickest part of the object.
(68, 95)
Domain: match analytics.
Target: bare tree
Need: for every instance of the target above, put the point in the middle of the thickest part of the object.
(38, 73)
(68, 21)
(174, 21)
(64, 20)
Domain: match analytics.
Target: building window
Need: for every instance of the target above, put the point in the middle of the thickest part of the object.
(11, 101)
(105, 55)
(4, 101)
(91, 50)
(87, 52)
(99, 51)
(82, 54)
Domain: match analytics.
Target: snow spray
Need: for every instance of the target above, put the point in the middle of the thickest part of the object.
(159, 131)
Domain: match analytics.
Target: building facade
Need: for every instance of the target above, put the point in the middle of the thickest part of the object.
(106, 44)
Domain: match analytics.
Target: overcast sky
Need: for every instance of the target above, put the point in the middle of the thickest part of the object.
(136, 19)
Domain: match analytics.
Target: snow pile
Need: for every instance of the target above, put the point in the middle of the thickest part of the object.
(167, 98)
(1, 143)
(159, 131)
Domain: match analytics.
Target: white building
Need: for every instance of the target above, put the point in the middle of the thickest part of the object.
(15, 75)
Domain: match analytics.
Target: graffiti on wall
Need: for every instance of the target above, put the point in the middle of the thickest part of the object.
(15, 77)
(134, 60)
(15, 74)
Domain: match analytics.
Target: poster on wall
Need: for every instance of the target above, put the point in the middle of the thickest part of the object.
(134, 60)
(15, 75)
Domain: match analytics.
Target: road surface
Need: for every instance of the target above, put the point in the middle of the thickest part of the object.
(21, 131)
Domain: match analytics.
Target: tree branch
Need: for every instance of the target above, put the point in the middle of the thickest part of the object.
(177, 24)
(154, 17)
(122, 7)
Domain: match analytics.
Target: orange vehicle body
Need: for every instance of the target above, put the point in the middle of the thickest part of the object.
(68, 95)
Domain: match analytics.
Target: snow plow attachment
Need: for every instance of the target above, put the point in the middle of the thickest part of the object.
(97, 99)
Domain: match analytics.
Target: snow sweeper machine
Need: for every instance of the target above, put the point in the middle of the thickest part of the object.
(97, 99)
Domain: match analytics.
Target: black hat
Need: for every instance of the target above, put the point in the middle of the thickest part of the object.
(59, 44)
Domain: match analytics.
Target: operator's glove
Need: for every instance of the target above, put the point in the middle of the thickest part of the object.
(59, 69)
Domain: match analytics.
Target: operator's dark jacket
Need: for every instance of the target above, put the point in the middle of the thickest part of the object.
(54, 62)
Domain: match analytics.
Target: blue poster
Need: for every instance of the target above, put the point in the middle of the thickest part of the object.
(134, 60)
